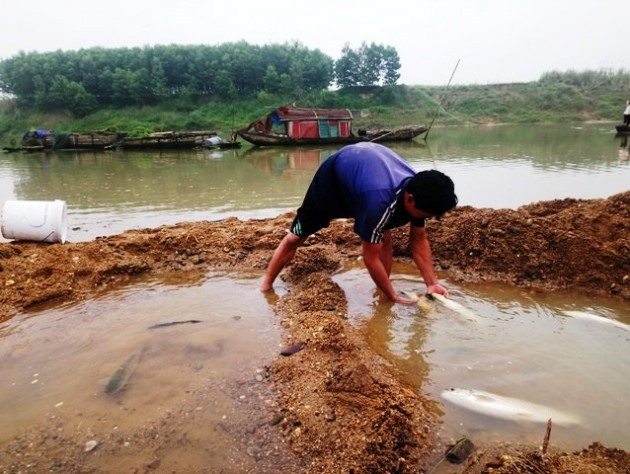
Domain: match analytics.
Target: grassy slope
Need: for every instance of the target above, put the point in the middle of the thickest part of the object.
(372, 107)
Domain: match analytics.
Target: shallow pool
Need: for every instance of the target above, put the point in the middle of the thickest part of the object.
(524, 346)
(55, 365)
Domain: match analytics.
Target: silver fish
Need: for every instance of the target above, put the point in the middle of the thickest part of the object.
(455, 306)
(122, 375)
(423, 303)
(506, 408)
(598, 319)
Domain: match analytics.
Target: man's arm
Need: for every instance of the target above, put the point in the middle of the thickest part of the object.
(282, 255)
(372, 254)
(421, 253)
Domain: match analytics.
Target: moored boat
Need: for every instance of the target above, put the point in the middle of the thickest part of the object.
(81, 141)
(55, 140)
(165, 140)
(291, 126)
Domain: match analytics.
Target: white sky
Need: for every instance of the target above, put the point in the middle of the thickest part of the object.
(495, 40)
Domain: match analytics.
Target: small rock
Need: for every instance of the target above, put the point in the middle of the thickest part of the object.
(91, 445)
(297, 347)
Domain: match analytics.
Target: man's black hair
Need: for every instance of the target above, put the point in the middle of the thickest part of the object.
(433, 192)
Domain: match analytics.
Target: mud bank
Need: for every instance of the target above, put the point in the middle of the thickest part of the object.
(338, 407)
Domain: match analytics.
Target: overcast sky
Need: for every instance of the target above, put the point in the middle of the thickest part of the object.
(495, 40)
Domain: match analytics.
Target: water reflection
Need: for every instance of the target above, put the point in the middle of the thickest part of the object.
(281, 160)
(623, 147)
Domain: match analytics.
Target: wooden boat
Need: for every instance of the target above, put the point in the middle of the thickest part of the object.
(622, 128)
(55, 140)
(81, 141)
(292, 126)
(164, 140)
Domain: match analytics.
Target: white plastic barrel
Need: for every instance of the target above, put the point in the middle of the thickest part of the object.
(41, 221)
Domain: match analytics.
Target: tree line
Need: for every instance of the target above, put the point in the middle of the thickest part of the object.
(85, 80)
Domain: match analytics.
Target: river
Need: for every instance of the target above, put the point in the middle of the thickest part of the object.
(504, 166)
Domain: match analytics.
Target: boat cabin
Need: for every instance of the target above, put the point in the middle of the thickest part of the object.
(307, 123)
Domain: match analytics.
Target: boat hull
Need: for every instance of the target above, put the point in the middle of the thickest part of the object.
(384, 135)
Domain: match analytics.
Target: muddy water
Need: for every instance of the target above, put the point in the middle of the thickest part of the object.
(55, 364)
(523, 347)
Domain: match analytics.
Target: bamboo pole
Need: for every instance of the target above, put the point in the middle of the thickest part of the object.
(437, 110)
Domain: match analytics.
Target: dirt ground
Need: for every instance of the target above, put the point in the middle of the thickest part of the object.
(342, 409)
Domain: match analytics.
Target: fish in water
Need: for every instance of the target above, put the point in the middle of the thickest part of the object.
(598, 319)
(421, 300)
(173, 323)
(455, 306)
(506, 408)
(122, 375)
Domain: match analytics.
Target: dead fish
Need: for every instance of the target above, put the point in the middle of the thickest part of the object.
(455, 306)
(421, 300)
(597, 319)
(507, 408)
(122, 375)
(297, 347)
(173, 323)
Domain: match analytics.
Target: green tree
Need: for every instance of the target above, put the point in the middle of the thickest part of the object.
(224, 86)
(159, 86)
(69, 95)
(150, 75)
(129, 87)
(271, 81)
(317, 70)
(347, 68)
(370, 65)
(390, 66)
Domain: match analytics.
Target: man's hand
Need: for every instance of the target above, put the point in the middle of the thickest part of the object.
(437, 288)
(404, 300)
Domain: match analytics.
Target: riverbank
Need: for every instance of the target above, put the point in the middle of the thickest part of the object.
(569, 97)
(339, 408)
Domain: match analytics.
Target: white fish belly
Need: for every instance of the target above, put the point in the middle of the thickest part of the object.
(455, 306)
(597, 319)
(498, 406)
